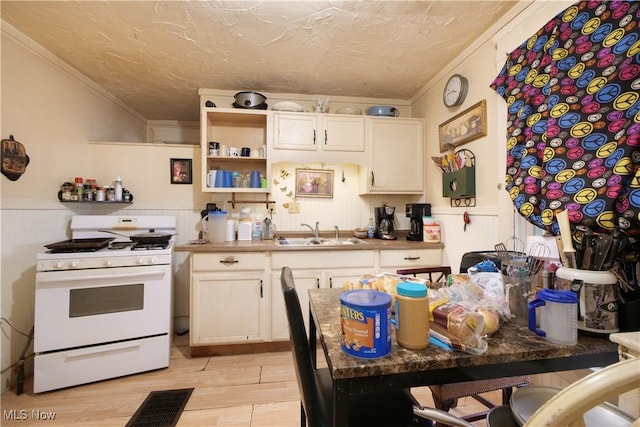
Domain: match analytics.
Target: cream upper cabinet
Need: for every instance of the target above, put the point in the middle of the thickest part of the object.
(395, 156)
(238, 128)
(332, 137)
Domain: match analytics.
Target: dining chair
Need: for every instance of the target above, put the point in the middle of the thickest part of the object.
(445, 396)
(315, 385)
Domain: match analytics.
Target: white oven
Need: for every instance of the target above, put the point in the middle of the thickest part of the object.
(105, 311)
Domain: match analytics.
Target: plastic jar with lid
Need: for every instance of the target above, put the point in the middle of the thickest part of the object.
(216, 225)
(412, 315)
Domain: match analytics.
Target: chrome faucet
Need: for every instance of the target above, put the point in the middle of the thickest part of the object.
(316, 231)
(337, 231)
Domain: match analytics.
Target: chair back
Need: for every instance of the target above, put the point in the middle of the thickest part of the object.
(440, 272)
(307, 384)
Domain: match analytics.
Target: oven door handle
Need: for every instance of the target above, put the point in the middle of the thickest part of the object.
(87, 278)
(101, 350)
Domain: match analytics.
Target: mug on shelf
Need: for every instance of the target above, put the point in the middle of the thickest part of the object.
(245, 152)
(234, 151)
(211, 178)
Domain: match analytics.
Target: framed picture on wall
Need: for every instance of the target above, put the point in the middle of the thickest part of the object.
(314, 183)
(181, 171)
(464, 127)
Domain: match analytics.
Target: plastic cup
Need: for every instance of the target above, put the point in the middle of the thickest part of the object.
(219, 180)
(228, 180)
(254, 179)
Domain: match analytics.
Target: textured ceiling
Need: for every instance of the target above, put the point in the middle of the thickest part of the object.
(154, 56)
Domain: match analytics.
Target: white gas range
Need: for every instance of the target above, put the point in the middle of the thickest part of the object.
(103, 302)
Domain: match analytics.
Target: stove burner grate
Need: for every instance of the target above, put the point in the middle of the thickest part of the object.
(149, 246)
(119, 245)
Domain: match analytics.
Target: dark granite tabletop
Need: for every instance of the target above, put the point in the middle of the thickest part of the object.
(511, 351)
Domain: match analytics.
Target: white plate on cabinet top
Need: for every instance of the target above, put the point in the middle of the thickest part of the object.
(349, 110)
(287, 106)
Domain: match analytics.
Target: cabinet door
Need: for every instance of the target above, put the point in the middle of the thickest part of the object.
(396, 160)
(227, 308)
(336, 278)
(342, 133)
(304, 280)
(296, 131)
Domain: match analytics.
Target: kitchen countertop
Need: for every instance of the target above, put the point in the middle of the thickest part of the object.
(270, 245)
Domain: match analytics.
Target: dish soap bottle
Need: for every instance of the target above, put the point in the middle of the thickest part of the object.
(371, 229)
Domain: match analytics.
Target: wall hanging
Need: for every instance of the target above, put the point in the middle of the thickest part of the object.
(314, 183)
(14, 158)
(464, 127)
(181, 171)
(573, 119)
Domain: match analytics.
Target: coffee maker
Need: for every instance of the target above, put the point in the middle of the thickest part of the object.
(384, 223)
(416, 211)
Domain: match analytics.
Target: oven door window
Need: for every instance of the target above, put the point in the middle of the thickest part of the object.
(103, 300)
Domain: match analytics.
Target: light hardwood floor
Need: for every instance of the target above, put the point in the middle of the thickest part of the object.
(257, 390)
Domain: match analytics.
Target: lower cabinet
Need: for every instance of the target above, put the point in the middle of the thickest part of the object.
(392, 260)
(312, 270)
(304, 280)
(229, 299)
(237, 298)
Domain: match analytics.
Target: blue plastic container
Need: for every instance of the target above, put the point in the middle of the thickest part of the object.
(365, 319)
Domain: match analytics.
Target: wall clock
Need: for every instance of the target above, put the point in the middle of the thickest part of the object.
(455, 91)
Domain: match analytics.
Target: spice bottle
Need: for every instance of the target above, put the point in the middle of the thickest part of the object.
(118, 189)
(412, 315)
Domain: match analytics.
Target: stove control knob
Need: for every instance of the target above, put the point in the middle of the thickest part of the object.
(75, 263)
(107, 263)
(152, 260)
(140, 260)
(59, 264)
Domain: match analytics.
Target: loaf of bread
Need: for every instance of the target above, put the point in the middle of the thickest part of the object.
(387, 283)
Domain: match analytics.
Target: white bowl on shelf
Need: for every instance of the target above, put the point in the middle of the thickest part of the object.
(349, 110)
(287, 106)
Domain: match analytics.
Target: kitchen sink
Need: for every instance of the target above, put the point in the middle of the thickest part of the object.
(310, 241)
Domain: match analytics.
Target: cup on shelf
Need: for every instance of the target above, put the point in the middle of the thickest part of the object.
(255, 153)
(234, 151)
(224, 150)
(245, 152)
(228, 180)
(214, 148)
(211, 178)
(219, 179)
(263, 151)
(254, 179)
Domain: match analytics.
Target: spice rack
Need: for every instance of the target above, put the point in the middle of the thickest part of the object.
(460, 184)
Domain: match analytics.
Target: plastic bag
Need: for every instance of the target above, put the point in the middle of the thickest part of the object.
(454, 324)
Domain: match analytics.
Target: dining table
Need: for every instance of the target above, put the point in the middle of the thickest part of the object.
(513, 350)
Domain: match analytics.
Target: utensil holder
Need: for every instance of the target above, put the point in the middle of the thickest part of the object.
(459, 184)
